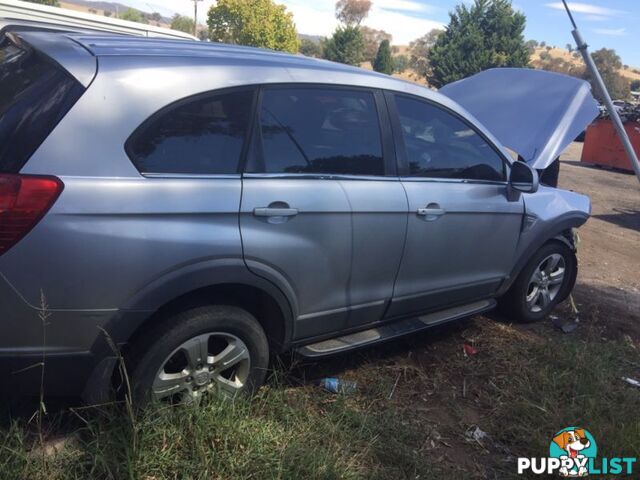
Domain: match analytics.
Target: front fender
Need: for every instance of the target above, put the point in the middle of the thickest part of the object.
(549, 213)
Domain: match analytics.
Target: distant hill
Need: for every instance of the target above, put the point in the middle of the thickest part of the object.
(114, 8)
(571, 59)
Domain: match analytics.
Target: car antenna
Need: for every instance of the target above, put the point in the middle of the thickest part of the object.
(613, 113)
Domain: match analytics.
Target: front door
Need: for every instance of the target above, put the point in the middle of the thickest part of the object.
(462, 228)
(319, 209)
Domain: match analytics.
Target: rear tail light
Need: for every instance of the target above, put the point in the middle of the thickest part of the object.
(24, 200)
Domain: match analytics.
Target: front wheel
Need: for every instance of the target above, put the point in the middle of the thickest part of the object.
(220, 350)
(545, 281)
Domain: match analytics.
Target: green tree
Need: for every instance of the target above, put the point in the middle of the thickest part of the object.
(345, 46)
(310, 48)
(609, 65)
(258, 23)
(51, 3)
(484, 35)
(383, 62)
(420, 50)
(372, 39)
(400, 63)
(133, 15)
(182, 23)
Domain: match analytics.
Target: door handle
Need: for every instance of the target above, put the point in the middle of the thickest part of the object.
(275, 212)
(431, 212)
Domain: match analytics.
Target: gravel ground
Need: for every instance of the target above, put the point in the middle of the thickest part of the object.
(609, 251)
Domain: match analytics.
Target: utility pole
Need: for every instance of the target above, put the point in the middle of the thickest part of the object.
(613, 113)
(195, 17)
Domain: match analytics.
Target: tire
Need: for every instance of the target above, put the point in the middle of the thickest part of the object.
(169, 365)
(520, 302)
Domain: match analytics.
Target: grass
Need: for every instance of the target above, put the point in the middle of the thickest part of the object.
(416, 402)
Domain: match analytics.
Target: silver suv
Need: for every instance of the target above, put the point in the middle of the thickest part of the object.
(204, 206)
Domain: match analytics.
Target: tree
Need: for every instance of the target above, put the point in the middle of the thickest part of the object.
(182, 23)
(310, 48)
(400, 63)
(352, 12)
(258, 23)
(372, 39)
(609, 65)
(419, 51)
(569, 48)
(383, 62)
(133, 15)
(156, 17)
(484, 35)
(107, 13)
(345, 46)
(531, 46)
(51, 3)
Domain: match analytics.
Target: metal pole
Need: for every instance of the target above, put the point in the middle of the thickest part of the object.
(613, 113)
(195, 18)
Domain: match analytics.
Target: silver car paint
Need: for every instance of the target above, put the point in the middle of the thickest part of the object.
(118, 242)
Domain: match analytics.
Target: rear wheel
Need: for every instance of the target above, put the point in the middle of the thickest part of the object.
(546, 280)
(219, 350)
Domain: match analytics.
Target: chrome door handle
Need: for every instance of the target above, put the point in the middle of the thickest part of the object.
(275, 212)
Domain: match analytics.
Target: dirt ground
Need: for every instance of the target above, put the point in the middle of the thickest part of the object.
(609, 251)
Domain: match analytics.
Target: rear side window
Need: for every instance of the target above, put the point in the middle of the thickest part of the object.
(35, 93)
(440, 145)
(203, 135)
(318, 130)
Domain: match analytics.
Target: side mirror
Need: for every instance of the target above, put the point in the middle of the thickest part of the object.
(523, 178)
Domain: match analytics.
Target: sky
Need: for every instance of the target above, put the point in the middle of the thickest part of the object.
(610, 23)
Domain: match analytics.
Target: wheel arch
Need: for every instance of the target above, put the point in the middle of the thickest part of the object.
(220, 281)
(558, 231)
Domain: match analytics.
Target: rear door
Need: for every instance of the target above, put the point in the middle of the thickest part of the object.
(462, 227)
(321, 212)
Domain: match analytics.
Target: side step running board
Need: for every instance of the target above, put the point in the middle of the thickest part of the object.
(393, 330)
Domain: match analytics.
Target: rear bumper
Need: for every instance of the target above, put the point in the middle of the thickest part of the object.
(64, 375)
(77, 357)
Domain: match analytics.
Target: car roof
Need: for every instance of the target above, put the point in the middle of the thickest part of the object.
(152, 58)
(118, 45)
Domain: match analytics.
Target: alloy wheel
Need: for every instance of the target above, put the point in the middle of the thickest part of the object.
(545, 283)
(211, 362)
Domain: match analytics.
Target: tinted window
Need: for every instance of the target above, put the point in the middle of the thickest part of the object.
(203, 135)
(440, 145)
(34, 96)
(313, 130)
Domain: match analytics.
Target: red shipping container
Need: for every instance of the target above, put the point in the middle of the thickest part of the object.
(603, 147)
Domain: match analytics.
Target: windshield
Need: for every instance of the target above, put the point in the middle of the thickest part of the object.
(35, 94)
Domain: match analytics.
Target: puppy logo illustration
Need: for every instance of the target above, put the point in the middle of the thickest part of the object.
(574, 447)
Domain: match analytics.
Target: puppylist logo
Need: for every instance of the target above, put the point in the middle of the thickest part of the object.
(573, 453)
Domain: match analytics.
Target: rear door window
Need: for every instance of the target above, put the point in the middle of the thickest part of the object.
(203, 135)
(318, 131)
(35, 93)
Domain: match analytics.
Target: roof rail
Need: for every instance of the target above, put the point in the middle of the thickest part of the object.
(16, 14)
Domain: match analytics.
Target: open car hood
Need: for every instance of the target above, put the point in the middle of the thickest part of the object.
(535, 113)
